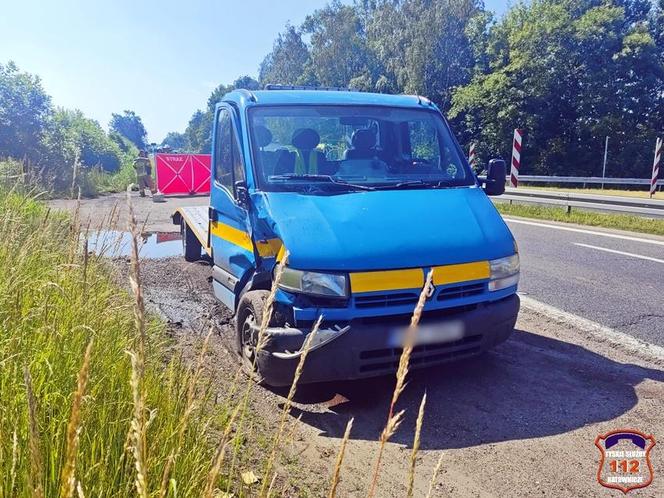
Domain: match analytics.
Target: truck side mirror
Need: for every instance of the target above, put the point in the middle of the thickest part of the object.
(242, 193)
(494, 183)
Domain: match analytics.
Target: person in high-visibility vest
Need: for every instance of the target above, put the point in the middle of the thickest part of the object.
(307, 158)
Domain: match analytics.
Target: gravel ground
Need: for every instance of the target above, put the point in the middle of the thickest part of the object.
(518, 421)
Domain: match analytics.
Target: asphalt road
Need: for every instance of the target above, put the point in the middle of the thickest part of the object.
(613, 278)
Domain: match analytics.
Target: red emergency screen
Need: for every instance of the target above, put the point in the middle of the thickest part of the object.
(184, 174)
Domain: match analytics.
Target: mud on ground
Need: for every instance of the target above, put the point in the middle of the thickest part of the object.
(518, 421)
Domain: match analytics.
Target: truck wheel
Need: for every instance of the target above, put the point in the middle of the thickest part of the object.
(191, 247)
(249, 315)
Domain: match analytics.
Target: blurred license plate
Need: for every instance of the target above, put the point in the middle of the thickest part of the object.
(429, 333)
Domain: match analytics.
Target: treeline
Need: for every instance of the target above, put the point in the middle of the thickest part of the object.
(568, 72)
(51, 145)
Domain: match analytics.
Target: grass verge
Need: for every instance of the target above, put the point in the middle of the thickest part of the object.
(616, 221)
(598, 191)
(64, 415)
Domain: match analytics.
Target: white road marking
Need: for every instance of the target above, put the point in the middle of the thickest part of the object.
(596, 331)
(622, 253)
(589, 232)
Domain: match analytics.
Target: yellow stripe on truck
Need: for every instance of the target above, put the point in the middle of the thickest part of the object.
(269, 248)
(232, 235)
(373, 281)
(266, 248)
(451, 274)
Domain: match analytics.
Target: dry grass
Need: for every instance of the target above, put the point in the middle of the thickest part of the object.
(68, 478)
(340, 460)
(416, 446)
(434, 476)
(394, 419)
(288, 404)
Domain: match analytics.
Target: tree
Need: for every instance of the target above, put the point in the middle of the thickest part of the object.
(129, 125)
(569, 73)
(338, 45)
(71, 136)
(424, 47)
(175, 140)
(286, 63)
(199, 132)
(25, 109)
(199, 129)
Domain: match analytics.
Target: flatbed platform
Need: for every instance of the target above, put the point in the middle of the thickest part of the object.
(197, 218)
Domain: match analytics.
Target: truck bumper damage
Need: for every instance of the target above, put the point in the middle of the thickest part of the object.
(369, 348)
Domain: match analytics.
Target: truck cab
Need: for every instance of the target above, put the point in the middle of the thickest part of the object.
(366, 194)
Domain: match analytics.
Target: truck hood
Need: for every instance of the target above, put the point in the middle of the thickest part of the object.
(385, 229)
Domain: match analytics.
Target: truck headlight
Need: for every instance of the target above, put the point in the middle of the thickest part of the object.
(317, 284)
(504, 272)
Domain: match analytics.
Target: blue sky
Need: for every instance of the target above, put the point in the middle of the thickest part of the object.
(160, 58)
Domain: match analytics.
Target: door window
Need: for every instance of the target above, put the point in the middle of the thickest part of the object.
(229, 165)
(223, 156)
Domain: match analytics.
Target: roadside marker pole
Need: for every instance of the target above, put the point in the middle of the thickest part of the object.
(516, 157)
(471, 155)
(655, 166)
(606, 152)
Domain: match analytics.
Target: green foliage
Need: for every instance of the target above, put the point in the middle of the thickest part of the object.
(569, 73)
(198, 133)
(175, 140)
(63, 150)
(25, 109)
(129, 125)
(286, 63)
(338, 50)
(96, 148)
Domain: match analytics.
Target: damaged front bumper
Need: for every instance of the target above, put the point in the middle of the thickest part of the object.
(366, 348)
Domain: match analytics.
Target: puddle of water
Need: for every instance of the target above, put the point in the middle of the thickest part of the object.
(114, 244)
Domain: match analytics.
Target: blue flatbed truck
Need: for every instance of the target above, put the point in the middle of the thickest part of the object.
(367, 193)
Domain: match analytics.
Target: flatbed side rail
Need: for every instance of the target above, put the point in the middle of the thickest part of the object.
(196, 218)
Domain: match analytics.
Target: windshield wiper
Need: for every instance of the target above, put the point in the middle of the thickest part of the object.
(325, 178)
(417, 184)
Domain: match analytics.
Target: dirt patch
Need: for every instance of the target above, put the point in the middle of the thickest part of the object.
(102, 212)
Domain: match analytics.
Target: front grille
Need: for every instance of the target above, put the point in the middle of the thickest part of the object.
(410, 298)
(385, 300)
(459, 291)
(420, 356)
(427, 316)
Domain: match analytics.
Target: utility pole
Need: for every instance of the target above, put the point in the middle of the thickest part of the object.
(606, 150)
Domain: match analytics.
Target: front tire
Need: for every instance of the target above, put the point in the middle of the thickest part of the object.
(248, 318)
(191, 247)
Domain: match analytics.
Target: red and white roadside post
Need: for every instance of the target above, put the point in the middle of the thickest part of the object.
(655, 166)
(471, 155)
(516, 157)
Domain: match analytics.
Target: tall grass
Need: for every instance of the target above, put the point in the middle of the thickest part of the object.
(73, 428)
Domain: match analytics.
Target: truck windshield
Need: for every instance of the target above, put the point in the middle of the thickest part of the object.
(354, 147)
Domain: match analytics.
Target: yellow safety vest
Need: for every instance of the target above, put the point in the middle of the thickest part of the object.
(306, 169)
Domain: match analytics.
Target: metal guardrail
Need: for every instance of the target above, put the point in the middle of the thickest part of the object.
(582, 179)
(595, 202)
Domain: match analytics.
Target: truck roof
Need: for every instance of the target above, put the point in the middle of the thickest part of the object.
(277, 97)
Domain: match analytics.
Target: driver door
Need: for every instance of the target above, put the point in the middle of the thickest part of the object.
(230, 239)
